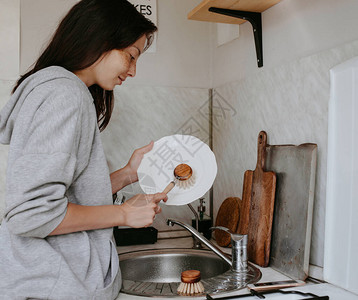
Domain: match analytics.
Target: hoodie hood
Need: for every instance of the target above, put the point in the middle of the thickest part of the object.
(9, 113)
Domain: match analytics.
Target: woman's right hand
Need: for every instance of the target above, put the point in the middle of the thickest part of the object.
(140, 210)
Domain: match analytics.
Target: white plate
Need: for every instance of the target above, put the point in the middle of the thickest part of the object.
(156, 170)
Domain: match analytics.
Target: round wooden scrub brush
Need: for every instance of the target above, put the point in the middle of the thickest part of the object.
(184, 178)
(190, 283)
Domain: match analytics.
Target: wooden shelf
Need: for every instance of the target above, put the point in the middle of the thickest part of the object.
(202, 13)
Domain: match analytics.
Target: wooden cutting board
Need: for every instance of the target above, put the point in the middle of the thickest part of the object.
(295, 167)
(258, 206)
(228, 216)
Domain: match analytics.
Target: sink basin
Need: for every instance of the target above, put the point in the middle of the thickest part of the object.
(157, 272)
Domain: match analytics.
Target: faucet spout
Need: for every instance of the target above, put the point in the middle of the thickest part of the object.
(216, 250)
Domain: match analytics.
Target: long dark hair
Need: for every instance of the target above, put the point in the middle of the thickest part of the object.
(91, 28)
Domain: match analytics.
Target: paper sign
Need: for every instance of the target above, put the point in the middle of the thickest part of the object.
(148, 8)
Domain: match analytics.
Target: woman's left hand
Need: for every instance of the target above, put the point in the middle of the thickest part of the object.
(136, 159)
(128, 174)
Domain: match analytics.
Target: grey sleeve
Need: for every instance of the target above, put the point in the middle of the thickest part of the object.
(39, 178)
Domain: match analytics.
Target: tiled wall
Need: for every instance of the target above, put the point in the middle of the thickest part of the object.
(145, 113)
(290, 103)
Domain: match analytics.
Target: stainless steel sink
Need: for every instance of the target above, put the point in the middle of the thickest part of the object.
(157, 272)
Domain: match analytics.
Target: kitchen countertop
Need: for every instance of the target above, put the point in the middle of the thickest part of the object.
(268, 274)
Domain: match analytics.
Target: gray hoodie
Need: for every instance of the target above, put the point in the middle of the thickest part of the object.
(55, 157)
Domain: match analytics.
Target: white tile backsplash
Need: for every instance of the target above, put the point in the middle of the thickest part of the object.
(145, 113)
(290, 103)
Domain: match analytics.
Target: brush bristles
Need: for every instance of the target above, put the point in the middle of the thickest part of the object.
(185, 184)
(190, 289)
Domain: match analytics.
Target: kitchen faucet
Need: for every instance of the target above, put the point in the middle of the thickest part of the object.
(238, 260)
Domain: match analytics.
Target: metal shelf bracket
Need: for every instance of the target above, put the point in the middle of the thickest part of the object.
(255, 20)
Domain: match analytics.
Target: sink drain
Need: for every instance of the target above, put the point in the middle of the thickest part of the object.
(151, 289)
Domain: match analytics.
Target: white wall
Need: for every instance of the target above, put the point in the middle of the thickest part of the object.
(292, 29)
(183, 51)
(9, 38)
(39, 19)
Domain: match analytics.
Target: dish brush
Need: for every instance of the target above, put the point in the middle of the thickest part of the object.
(190, 283)
(184, 178)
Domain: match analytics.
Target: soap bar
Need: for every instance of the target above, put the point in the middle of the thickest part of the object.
(135, 236)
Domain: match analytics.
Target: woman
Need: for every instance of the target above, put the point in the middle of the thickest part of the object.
(56, 239)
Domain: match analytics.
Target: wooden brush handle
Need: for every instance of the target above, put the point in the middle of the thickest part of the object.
(183, 172)
(169, 187)
(190, 276)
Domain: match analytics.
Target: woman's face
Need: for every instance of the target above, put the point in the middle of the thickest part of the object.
(113, 67)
